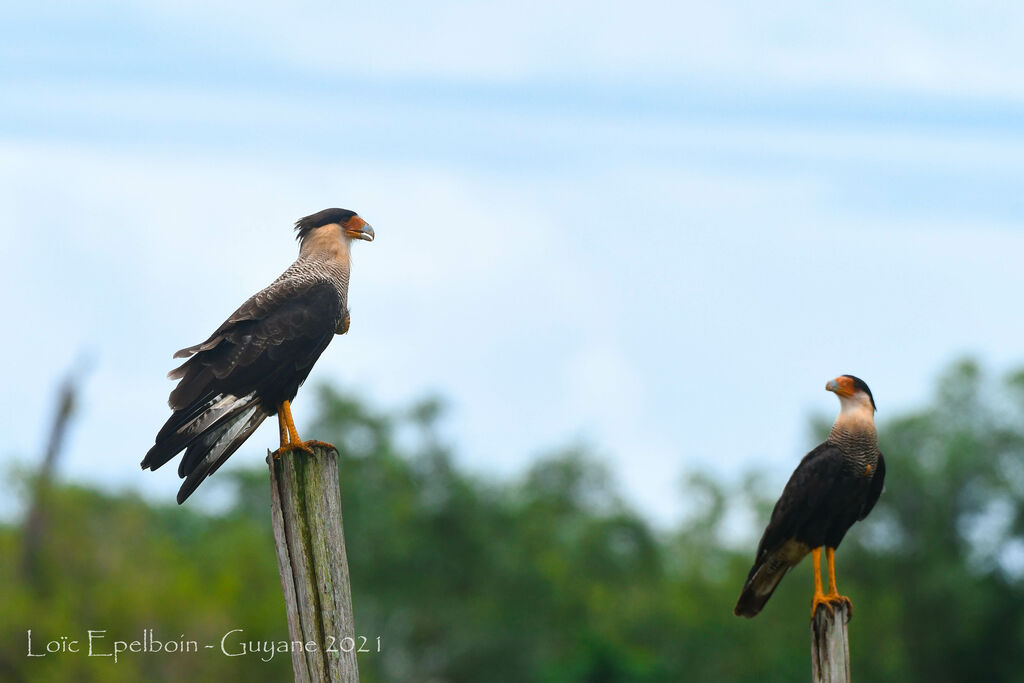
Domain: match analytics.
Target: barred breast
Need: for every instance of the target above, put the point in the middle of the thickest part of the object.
(859, 449)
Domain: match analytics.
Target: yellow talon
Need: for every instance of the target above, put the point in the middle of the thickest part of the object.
(290, 440)
(833, 597)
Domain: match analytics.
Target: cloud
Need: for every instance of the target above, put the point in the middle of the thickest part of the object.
(657, 228)
(676, 318)
(963, 49)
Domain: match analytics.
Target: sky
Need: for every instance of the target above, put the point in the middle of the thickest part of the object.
(656, 229)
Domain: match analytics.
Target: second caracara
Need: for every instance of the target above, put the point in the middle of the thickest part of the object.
(834, 486)
(252, 365)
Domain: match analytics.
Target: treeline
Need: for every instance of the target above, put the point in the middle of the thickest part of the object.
(551, 577)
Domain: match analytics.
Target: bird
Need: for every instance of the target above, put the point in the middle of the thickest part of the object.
(251, 367)
(834, 486)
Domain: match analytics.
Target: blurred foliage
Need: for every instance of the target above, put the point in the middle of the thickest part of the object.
(551, 577)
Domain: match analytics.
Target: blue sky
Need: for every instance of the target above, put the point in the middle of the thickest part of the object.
(657, 229)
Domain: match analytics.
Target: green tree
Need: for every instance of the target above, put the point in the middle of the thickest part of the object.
(552, 576)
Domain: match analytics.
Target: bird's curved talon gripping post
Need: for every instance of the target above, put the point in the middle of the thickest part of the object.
(833, 595)
(290, 440)
(313, 443)
(252, 366)
(831, 599)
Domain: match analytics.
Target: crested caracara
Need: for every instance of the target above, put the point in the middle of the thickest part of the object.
(252, 365)
(834, 486)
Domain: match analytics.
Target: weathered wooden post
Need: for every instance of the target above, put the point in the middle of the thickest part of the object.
(306, 511)
(830, 646)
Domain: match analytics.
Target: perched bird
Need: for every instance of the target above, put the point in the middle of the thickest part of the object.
(834, 486)
(252, 365)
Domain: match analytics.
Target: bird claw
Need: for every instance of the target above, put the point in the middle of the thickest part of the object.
(304, 446)
(320, 444)
(300, 446)
(849, 606)
(829, 602)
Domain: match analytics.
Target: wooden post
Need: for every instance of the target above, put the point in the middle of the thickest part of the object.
(830, 646)
(306, 511)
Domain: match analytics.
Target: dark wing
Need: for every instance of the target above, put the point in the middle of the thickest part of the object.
(285, 317)
(807, 488)
(236, 378)
(875, 490)
(779, 549)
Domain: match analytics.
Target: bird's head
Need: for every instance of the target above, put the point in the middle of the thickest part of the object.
(342, 222)
(854, 394)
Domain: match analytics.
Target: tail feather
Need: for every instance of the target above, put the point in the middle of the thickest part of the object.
(193, 423)
(758, 589)
(769, 568)
(197, 416)
(210, 343)
(195, 381)
(206, 455)
(211, 433)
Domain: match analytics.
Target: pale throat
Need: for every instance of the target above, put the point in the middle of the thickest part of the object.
(856, 416)
(328, 242)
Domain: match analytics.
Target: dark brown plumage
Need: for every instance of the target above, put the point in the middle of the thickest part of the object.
(834, 486)
(253, 364)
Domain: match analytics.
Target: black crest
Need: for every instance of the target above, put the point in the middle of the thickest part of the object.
(858, 383)
(304, 225)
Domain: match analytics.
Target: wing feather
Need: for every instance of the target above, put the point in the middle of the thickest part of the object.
(248, 353)
(228, 440)
(807, 488)
(780, 549)
(232, 381)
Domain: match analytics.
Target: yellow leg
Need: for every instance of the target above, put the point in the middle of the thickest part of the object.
(833, 597)
(289, 421)
(833, 591)
(290, 440)
(819, 595)
(283, 428)
(830, 558)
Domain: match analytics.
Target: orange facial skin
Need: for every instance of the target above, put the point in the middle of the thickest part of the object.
(843, 386)
(358, 229)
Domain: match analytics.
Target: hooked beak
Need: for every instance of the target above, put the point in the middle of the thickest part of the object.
(363, 232)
